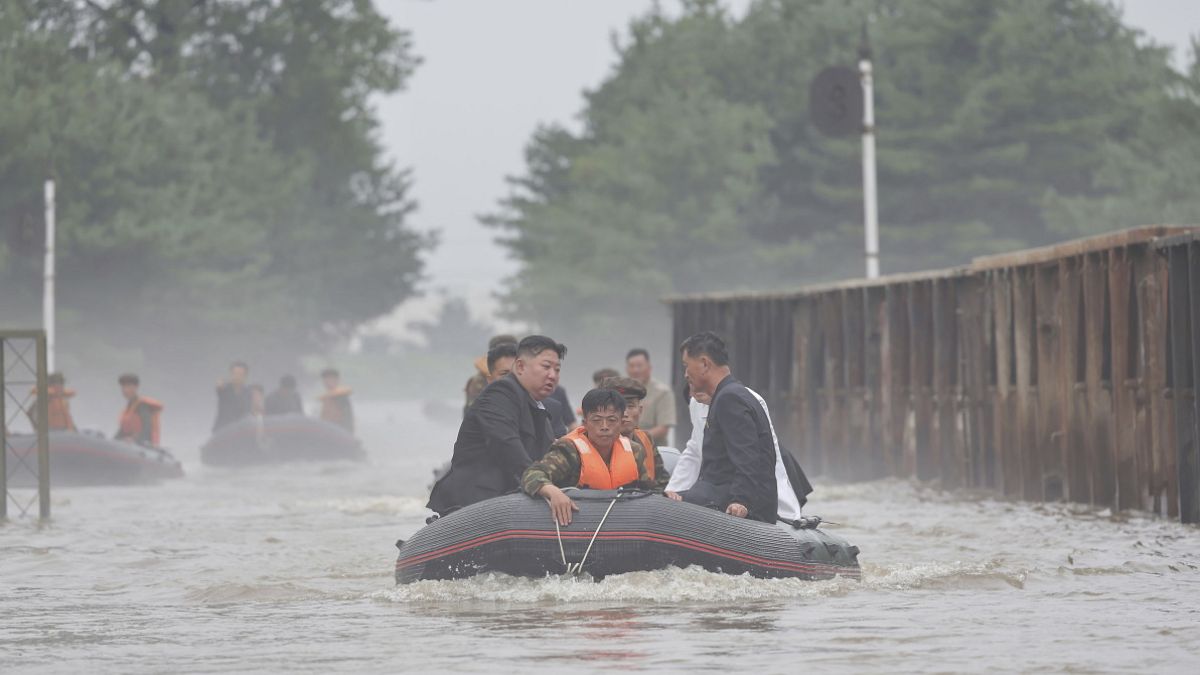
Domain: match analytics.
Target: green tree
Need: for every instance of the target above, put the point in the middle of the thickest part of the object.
(697, 167)
(222, 190)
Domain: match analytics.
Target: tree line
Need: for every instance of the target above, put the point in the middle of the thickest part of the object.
(1000, 125)
(222, 190)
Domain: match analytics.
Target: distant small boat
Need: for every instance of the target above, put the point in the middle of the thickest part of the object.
(88, 458)
(280, 438)
(615, 532)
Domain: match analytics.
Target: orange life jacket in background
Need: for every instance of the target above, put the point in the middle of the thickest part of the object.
(58, 408)
(651, 450)
(594, 473)
(130, 425)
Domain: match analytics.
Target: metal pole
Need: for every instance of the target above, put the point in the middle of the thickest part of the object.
(48, 278)
(3, 433)
(43, 431)
(870, 201)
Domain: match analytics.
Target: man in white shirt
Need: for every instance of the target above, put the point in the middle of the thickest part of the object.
(687, 469)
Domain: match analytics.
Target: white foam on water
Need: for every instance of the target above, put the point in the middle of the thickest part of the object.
(692, 584)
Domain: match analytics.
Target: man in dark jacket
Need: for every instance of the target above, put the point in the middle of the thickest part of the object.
(737, 469)
(234, 400)
(505, 430)
(285, 400)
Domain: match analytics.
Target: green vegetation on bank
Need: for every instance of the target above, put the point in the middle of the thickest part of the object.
(222, 190)
(1001, 125)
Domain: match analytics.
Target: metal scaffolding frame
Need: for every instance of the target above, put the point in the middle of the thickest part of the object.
(23, 375)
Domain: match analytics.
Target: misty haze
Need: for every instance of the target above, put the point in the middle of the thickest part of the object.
(667, 336)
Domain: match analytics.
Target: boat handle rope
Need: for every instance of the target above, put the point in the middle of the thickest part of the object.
(575, 569)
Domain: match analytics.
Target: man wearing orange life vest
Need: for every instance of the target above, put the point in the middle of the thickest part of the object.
(139, 422)
(594, 456)
(634, 392)
(58, 405)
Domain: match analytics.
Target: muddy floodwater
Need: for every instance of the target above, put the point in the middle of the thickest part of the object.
(290, 569)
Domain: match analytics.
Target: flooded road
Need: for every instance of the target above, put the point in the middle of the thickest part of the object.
(290, 568)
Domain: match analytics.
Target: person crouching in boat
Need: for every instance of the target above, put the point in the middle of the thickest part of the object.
(634, 392)
(58, 404)
(335, 401)
(737, 467)
(140, 421)
(594, 456)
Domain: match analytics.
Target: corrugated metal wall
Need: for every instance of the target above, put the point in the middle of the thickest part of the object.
(1059, 373)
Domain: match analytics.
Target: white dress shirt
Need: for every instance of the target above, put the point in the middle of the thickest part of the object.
(687, 470)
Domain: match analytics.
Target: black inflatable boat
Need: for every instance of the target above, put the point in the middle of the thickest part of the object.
(279, 438)
(89, 459)
(616, 532)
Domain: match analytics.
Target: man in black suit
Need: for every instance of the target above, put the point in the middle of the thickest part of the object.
(737, 466)
(505, 430)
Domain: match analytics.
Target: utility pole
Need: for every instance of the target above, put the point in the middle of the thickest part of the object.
(48, 278)
(870, 197)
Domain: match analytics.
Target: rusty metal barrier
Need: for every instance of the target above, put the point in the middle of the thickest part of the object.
(1061, 373)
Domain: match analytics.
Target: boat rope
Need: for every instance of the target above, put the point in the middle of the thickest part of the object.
(575, 569)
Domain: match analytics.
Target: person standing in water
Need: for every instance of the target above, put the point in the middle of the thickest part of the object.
(234, 399)
(335, 401)
(140, 420)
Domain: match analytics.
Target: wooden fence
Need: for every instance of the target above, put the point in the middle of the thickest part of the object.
(1062, 373)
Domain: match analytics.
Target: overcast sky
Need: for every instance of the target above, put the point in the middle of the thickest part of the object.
(492, 71)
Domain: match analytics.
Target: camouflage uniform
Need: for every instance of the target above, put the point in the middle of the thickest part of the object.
(561, 466)
(477, 383)
(633, 390)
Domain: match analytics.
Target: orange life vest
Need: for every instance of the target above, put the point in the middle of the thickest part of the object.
(58, 408)
(594, 473)
(651, 451)
(131, 422)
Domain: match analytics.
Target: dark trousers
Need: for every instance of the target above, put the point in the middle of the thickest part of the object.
(717, 497)
(707, 494)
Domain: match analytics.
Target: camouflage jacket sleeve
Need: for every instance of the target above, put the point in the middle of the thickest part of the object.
(661, 475)
(639, 455)
(559, 466)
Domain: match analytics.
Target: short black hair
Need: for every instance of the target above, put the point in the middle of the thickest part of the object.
(504, 350)
(287, 382)
(706, 343)
(239, 364)
(533, 345)
(599, 399)
(330, 372)
(638, 351)
(128, 378)
(55, 378)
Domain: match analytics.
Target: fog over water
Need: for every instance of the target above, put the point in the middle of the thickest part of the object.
(290, 568)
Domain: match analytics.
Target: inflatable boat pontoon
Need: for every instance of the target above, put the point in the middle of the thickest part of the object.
(89, 459)
(615, 532)
(279, 438)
